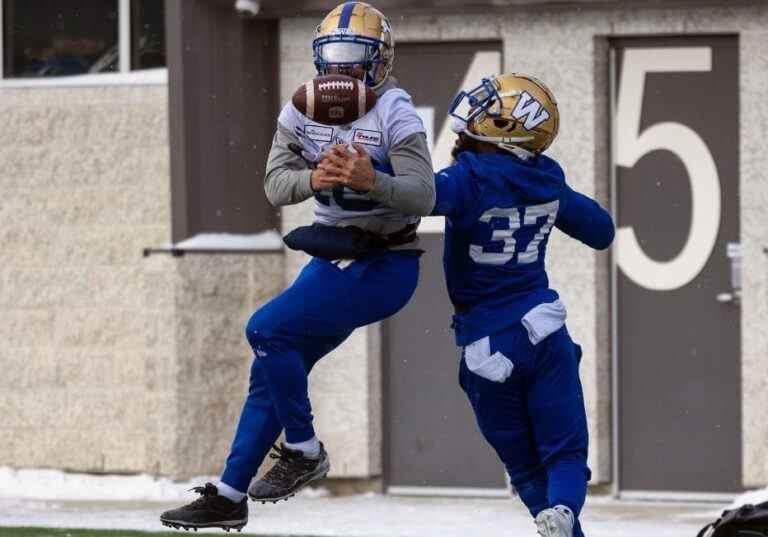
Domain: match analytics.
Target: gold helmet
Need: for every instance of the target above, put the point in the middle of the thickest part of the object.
(516, 112)
(355, 34)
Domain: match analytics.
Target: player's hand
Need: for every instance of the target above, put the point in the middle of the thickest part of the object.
(351, 170)
(322, 180)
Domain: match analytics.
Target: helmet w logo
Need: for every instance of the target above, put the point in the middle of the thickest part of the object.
(529, 108)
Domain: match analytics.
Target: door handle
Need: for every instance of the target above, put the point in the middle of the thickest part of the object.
(733, 252)
(734, 297)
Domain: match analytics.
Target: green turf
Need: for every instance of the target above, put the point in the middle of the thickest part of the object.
(50, 532)
(55, 532)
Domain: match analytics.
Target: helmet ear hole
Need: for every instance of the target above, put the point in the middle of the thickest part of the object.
(500, 123)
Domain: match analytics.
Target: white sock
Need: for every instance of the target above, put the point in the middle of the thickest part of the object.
(231, 493)
(310, 448)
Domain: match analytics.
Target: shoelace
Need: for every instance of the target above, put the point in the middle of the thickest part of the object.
(285, 458)
(205, 492)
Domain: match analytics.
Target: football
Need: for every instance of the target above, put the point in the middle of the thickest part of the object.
(334, 99)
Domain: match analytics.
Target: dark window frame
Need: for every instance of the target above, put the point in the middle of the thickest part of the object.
(127, 10)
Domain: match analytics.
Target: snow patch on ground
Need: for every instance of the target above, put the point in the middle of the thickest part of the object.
(371, 516)
(49, 498)
(57, 485)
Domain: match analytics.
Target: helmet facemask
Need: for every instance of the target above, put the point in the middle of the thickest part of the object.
(350, 53)
(481, 100)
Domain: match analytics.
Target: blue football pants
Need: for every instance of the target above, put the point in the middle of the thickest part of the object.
(297, 328)
(536, 420)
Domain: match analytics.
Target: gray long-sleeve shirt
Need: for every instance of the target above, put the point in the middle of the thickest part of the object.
(394, 201)
(411, 190)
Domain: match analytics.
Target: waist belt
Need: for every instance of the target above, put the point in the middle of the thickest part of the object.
(332, 242)
(398, 238)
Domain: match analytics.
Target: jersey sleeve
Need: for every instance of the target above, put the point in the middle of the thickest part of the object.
(584, 219)
(400, 116)
(455, 192)
(288, 179)
(411, 186)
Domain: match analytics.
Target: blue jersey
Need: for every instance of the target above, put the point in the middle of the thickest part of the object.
(499, 213)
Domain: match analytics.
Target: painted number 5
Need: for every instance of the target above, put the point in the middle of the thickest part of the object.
(632, 145)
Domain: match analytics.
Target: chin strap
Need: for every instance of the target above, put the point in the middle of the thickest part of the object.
(459, 126)
(519, 152)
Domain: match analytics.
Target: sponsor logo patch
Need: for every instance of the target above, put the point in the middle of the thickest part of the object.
(362, 136)
(319, 133)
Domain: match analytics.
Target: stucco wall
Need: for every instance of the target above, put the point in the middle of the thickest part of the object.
(564, 47)
(213, 297)
(84, 178)
(110, 361)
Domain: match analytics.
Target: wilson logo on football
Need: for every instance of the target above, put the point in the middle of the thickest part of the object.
(333, 98)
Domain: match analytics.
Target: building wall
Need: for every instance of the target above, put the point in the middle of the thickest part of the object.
(567, 48)
(212, 298)
(112, 362)
(84, 178)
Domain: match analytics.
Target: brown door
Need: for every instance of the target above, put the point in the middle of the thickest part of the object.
(676, 156)
(431, 438)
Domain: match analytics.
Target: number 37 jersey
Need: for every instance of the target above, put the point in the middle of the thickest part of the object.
(391, 121)
(500, 212)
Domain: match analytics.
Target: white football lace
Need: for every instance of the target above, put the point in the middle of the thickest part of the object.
(336, 84)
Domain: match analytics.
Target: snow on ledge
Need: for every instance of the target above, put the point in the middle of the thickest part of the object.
(754, 497)
(267, 240)
(33, 484)
(57, 485)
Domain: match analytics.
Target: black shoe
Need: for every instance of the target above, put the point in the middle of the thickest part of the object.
(208, 511)
(291, 473)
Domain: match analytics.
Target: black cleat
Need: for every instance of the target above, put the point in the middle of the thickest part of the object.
(208, 511)
(291, 473)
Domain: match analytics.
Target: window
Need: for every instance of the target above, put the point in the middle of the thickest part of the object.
(147, 34)
(50, 38)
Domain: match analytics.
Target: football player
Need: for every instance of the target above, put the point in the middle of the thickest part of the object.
(378, 196)
(519, 366)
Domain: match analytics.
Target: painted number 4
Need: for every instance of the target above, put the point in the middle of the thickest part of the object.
(531, 216)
